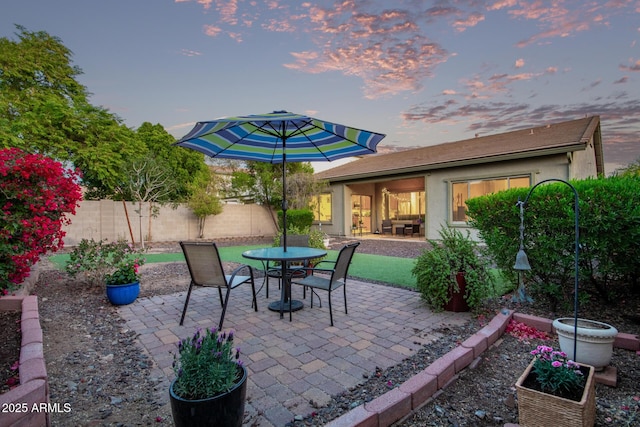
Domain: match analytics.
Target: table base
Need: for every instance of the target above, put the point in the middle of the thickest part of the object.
(295, 306)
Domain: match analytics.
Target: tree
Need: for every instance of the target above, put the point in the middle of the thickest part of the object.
(301, 187)
(44, 109)
(632, 169)
(204, 202)
(187, 166)
(148, 181)
(264, 182)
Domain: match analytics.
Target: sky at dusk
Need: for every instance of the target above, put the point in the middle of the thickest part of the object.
(422, 72)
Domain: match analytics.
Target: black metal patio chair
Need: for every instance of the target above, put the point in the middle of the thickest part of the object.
(205, 268)
(337, 276)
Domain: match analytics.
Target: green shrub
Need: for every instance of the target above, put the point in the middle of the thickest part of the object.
(435, 270)
(316, 238)
(297, 218)
(609, 219)
(98, 260)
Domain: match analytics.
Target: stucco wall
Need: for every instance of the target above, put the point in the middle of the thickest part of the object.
(437, 187)
(583, 163)
(438, 184)
(106, 219)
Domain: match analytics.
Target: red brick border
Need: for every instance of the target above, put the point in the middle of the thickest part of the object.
(417, 390)
(34, 387)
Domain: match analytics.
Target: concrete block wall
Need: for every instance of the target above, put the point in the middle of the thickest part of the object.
(107, 219)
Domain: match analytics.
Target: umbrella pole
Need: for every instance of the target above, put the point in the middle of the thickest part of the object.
(284, 191)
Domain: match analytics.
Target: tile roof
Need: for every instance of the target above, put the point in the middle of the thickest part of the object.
(530, 142)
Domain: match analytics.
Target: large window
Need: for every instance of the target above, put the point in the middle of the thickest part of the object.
(464, 190)
(321, 207)
(404, 206)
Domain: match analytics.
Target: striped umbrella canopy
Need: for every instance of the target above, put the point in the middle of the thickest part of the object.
(279, 137)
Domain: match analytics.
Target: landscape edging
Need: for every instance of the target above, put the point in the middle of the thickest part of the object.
(420, 388)
(27, 404)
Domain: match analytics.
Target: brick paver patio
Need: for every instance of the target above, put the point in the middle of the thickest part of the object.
(292, 364)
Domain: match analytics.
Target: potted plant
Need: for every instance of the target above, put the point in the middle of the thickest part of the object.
(115, 264)
(453, 275)
(554, 390)
(594, 344)
(211, 382)
(123, 285)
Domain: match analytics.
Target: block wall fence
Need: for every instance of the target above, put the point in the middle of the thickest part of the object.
(107, 219)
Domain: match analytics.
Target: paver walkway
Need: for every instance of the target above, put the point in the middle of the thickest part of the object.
(291, 364)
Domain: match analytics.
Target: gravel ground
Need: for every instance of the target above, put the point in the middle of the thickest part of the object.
(95, 366)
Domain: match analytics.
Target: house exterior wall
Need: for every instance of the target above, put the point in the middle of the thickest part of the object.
(106, 219)
(583, 163)
(340, 199)
(437, 186)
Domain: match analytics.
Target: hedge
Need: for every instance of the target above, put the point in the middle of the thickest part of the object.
(609, 220)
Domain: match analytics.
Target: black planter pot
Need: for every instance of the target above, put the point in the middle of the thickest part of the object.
(223, 410)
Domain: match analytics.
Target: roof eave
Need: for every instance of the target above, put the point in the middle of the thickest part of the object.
(578, 146)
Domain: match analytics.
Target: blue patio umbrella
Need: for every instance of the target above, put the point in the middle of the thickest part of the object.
(279, 137)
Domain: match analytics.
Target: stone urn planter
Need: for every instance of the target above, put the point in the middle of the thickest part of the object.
(594, 343)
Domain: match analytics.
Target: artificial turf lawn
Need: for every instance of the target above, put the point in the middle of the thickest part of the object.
(388, 269)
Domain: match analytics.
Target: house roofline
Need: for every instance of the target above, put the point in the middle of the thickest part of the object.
(397, 173)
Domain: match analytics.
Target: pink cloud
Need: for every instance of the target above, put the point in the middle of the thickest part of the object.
(388, 45)
(635, 66)
(187, 52)
(212, 31)
(471, 20)
(279, 26)
(556, 20)
(205, 3)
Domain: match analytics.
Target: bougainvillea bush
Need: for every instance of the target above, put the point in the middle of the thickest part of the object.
(37, 194)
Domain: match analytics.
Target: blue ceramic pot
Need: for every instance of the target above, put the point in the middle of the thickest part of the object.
(123, 294)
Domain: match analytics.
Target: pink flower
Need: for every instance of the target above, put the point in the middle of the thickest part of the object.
(556, 364)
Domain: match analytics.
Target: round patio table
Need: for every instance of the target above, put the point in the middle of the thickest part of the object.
(277, 253)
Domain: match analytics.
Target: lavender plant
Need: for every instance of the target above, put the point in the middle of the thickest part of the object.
(206, 365)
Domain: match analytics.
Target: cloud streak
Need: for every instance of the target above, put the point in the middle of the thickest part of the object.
(399, 47)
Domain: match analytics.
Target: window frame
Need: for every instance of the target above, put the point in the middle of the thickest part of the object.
(420, 204)
(316, 211)
(451, 199)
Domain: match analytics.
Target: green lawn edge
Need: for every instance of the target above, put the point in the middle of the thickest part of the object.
(380, 268)
(387, 269)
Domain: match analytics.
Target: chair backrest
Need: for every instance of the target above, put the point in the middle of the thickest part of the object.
(339, 275)
(205, 265)
(296, 240)
(386, 223)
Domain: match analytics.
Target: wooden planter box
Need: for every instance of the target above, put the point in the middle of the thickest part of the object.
(536, 408)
